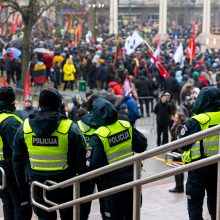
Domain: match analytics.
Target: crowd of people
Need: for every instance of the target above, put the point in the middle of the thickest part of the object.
(101, 129)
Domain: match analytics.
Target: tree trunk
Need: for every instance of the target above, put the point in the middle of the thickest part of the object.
(26, 50)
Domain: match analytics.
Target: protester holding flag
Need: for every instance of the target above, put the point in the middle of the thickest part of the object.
(39, 75)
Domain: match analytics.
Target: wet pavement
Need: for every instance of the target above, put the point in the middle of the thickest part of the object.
(158, 203)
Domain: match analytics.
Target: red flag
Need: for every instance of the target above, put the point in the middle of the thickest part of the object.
(191, 49)
(14, 25)
(76, 35)
(27, 85)
(66, 23)
(163, 72)
(4, 82)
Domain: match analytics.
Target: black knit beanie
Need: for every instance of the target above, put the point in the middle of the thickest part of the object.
(50, 99)
(7, 95)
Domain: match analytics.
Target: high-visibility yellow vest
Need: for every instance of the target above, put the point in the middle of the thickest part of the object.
(209, 144)
(48, 153)
(86, 130)
(117, 140)
(4, 116)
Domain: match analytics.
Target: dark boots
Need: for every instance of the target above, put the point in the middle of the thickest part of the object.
(179, 179)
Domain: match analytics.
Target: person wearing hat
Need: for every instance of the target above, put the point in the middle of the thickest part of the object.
(48, 146)
(186, 107)
(202, 180)
(28, 109)
(114, 140)
(15, 205)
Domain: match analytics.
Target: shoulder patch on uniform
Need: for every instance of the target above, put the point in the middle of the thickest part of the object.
(182, 131)
(88, 153)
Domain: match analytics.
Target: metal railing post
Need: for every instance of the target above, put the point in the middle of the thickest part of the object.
(218, 185)
(137, 191)
(76, 195)
(3, 178)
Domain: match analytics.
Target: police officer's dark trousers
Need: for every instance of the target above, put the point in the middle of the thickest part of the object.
(12, 201)
(199, 181)
(118, 206)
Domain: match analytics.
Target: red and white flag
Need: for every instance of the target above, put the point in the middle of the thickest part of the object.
(163, 72)
(126, 87)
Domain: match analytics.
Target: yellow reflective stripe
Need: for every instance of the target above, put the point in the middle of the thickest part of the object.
(119, 154)
(48, 165)
(195, 153)
(211, 143)
(50, 157)
(1, 150)
(210, 152)
(83, 127)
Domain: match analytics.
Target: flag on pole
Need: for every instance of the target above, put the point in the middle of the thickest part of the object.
(119, 50)
(157, 51)
(163, 72)
(191, 49)
(178, 56)
(14, 25)
(126, 86)
(175, 42)
(76, 35)
(27, 85)
(132, 42)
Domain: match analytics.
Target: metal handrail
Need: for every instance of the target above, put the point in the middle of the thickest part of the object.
(3, 179)
(137, 181)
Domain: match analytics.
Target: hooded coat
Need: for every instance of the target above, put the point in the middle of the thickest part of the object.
(44, 123)
(68, 71)
(208, 100)
(105, 114)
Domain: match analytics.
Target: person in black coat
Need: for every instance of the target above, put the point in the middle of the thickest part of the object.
(49, 124)
(143, 86)
(117, 206)
(171, 85)
(16, 205)
(163, 113)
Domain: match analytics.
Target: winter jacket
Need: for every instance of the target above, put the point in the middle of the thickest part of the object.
(116, 86)
(44, 123)
(39, 73)
(143, 86)
(105, 114)
(69, 71)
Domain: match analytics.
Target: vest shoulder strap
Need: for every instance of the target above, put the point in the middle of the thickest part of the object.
(125, 124)
(82, 126)
(102, 131)
(4, 116)
(202, 118)
(27, 128)
(64, 126)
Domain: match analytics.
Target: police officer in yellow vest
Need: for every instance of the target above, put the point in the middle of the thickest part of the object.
(207, 114)
(114, 140)
(15, 205)
(49, 147)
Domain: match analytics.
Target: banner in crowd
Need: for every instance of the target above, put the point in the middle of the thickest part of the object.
(132, 42)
